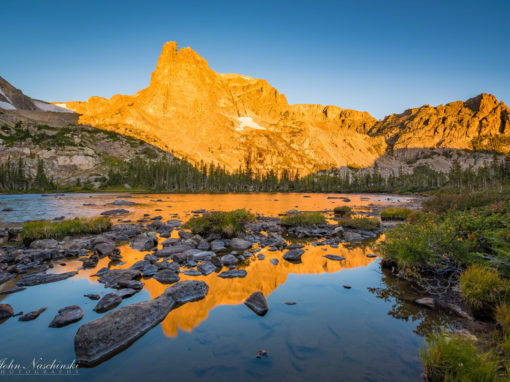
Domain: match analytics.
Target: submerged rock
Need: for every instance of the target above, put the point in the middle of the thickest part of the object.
(233, 273)
(67, 316)
(118, 211)
(113, 276)
(240, 244)
(92, 296)
(6, 311)
(258, 303)
(334, 257)
(167, 276)
(98, 340)
(44, 278)
(32, 315)
(293, 255)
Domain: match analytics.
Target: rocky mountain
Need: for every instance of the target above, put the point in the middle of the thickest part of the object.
(234, 120)
(237, 121)
(33, 130)
(231, 120)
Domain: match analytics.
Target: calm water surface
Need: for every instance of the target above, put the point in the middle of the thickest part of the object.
(331, 334)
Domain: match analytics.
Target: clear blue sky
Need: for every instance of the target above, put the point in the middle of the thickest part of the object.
(381, 56)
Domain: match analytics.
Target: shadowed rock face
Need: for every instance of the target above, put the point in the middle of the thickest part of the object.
(99, 340)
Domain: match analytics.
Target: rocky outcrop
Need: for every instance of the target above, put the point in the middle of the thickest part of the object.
(100, 339)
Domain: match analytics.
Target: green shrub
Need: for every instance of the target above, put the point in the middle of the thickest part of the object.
(445, 202)
(396, 213)
(503, 317)
(56, 230)
(342, 210)
(360, 223)
(224, 223)
(481, 286)
(303, 219)
(455, 358)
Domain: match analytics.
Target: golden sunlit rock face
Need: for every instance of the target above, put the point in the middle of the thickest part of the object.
(234, 121)
(229, 119)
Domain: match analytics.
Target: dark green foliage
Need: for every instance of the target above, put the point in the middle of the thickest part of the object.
(227, 224)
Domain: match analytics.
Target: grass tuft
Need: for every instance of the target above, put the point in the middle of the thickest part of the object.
(342, 210)
(303, 219)
(396, 213)
(454, 358)
(44, 229)
(360, 223)
(227, 224)
(481, 286)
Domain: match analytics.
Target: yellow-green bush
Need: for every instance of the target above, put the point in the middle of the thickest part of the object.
(44, 229)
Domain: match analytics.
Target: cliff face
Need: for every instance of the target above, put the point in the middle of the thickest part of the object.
(232, 120)
(480, 122)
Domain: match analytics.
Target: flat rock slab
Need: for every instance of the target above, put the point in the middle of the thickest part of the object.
(192, 272)
(43, 278)
(98, 340)
(107, 302)
(118, 211)
(67, 316)
(167, 276)
(233, 273)
(206, 268)
(293, 255)
(92, 296)
(334, 257)
(258, 303)
(32, 315)
(126, 292)
(12, 290)
(113, 276)
(144, 242)
(5, 276)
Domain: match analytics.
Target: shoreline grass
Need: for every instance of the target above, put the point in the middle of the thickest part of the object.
(45, 229)
(396, 213)
(366, 223)
(224, 223)
(303, 219)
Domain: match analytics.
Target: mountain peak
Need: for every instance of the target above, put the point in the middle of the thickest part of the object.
(482, 103)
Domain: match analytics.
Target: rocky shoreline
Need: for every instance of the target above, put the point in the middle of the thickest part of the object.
(168, 258)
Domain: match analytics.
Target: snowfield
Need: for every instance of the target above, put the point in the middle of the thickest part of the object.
(248, 122)
(6, 105)
(51, 107)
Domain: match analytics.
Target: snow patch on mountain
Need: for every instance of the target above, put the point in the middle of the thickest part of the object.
(6, 105)
(248, 122)
(51, 108)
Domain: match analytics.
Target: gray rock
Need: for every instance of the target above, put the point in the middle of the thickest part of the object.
(167, 276)
(203, 245)
(240, 244)
(169, 251)
(5, 276)
(106, 248)
(293, 255)
(144, 242)
(118, 211)
(192, 272)
(44, 244)
(113, 276)
(334, 257)
(92, 296)
(44, 278)
(6, 311)
(98, 340)
(174, 223)
(258, 303)
(352, 236)
(122, 203)
(206, 268)
(229, 260)
(126, 292)
(426, 301)
(338, 231)
(132, 284)
(274, 261)
(12, 290)
(217, 245)
(261, 256)
(67, 316)
(233, 273)
(32, 315)
(109, 301)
